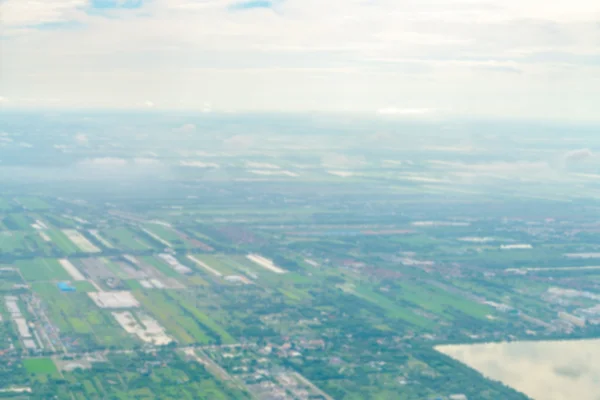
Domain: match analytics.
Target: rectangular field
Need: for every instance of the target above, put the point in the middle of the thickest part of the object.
(43, 366)
(80, 241)
(125, 239)
(79, 318)
(71, 269)
(181, 318)
(101, 239)
(42, 269)
(33, 203)
(265, 263)
(62, 241)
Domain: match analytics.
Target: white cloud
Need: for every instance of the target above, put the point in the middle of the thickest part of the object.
(578, 155)
(404, 111)
(147, 162)
(109, 162)
(503, 58)
(24, 12)
(81, 138)
(187, 128)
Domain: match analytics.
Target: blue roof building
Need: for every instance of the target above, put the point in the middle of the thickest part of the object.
(65, 287)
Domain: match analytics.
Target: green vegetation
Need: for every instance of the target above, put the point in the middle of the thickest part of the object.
(42, 269)
(41, 366)
(125, 239)
(62, 242)
(33, 203)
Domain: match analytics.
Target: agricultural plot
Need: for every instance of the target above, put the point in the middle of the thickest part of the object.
(265, 263)
(5, 204)
(160, 265)
(206, 268)
(142, 326)
(221, 266)
(178, 322)
(62, 242)
(9, 277)
(441, 302)
(42, 269)
(80, 241)
(32, 203)
(125, 239)
(185, 321)
(41, 366)
(389, 307)
(17, 222)
(157, 238)
(79, 320)
(100, 239)
(13, 242)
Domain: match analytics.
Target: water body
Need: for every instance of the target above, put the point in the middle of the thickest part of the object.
(563, 370)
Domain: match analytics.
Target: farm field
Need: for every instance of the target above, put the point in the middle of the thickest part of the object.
(178, 321)
(79, 320)
(32, 203)
(80, 241)
(62, 242)
(42, 269)
(125, 239)
(17, 222)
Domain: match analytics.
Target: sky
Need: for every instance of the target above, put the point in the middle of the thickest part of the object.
(534, 59)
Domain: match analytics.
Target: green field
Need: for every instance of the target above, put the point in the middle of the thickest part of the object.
(5, 204)
(161, 266)
(166, 234)
(125, 239)
(41, 366)
(42, 269)
(13, 242)
(83, 286)
(77, 316)
(185, 321)
(176, 320)
(391, 308)
(440, 302)
(62, 241)
(219, 262)
(33, 203)
(17, 222)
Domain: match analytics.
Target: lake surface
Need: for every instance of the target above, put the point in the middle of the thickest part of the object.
(564, 370)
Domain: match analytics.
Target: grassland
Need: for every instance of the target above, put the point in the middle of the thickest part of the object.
(79, 318)
(13, 242)
(185, 321)
(125, 239)
(17, 222)
(41, 366)
(219, 262)
(62, 241)
(5, 204)
(42, 269)
(391, 308)
(33, 203)
(167, 234)
(177, 321)
(161, 266)
(441, 302)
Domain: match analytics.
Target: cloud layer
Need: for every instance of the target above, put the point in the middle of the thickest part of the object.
(516, 58)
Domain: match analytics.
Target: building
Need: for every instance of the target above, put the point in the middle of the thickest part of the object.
(65, 287)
